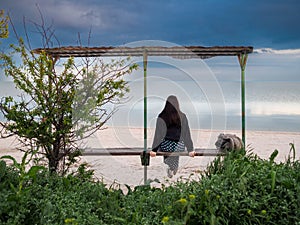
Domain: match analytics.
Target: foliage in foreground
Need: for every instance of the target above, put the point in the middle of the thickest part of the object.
(240, 189)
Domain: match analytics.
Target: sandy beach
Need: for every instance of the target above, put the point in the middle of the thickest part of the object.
(128, 169)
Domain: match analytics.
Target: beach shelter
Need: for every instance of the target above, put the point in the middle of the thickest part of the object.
(179, 52)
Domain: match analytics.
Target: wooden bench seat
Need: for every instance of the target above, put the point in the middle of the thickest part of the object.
(140, 151)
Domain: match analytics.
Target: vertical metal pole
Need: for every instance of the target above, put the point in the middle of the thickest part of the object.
(243, 60)
(145, 111)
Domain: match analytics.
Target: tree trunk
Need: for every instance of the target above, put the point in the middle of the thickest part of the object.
(54, 159)
(53, 164)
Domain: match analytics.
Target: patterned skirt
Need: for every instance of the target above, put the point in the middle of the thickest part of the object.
(172, 146)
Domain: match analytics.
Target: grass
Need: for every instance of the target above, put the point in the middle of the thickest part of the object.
(238, 189)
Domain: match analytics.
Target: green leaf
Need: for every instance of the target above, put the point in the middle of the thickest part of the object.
(34, 170)
(15, 163)
(273, 155)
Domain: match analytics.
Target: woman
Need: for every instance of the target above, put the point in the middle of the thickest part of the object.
(172, 134)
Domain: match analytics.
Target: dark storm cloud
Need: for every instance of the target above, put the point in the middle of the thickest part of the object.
(207, 22)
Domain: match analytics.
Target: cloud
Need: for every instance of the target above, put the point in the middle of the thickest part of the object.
(279, 52)
(74, 14)
(68, 14)
(198, 22)
(115, 22)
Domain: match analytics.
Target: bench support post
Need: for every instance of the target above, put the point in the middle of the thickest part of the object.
(243, 60)
(145, 115)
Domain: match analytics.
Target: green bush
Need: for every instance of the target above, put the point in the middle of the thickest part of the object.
(238, 189)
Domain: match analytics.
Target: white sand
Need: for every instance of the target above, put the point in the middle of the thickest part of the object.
(128, 169)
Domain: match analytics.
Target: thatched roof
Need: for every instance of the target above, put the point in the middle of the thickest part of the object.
(176, 52)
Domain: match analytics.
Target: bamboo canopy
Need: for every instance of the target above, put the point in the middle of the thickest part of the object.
(180, 52)
(184, 52)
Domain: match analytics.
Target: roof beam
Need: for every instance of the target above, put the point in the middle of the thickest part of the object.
(183, 52)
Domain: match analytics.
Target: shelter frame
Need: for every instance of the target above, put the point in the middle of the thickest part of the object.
(180, 52)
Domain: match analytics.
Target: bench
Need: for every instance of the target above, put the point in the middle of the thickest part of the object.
(145, 156)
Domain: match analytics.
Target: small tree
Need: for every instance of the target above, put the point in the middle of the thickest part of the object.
(63, 101)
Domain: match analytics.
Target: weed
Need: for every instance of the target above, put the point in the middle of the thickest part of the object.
(236, 189)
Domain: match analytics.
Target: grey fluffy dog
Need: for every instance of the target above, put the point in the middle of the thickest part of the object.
(229, 142)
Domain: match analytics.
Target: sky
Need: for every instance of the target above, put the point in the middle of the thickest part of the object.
(262, 24)
(270, 26)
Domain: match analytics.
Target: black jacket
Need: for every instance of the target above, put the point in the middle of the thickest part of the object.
(173, 133)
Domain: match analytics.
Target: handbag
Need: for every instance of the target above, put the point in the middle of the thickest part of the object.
(168, 145)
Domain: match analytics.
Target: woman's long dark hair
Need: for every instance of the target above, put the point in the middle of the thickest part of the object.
(171, 112)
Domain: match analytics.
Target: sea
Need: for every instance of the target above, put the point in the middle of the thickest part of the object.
(269, 106)
(210, 96)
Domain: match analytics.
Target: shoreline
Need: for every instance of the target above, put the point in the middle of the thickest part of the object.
(133, 137)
